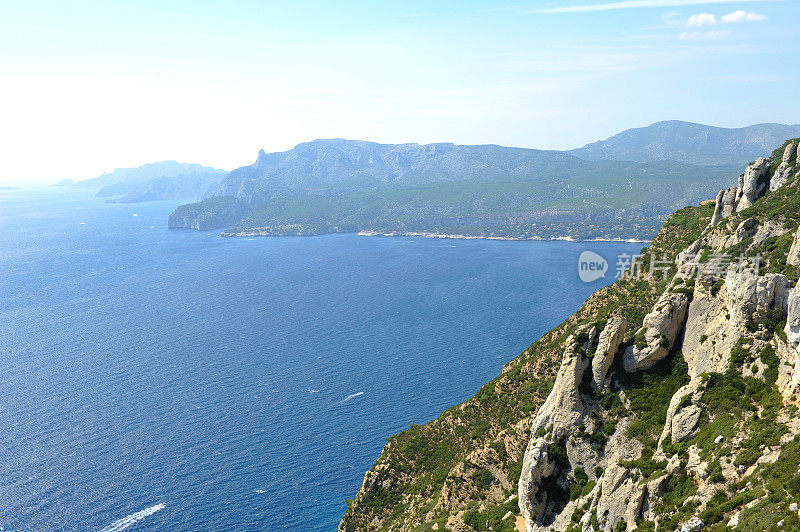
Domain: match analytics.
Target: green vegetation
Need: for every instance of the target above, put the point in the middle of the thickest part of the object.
(649, 393)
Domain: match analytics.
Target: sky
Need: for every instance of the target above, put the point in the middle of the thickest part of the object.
(89, 86)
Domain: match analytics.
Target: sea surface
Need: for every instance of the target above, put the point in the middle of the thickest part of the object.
(175, 380)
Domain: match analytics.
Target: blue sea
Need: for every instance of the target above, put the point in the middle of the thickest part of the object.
(175, 380)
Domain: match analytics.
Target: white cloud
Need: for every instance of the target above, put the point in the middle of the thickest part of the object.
(701, 19)
(742, 16)
(707, 19)
(632, 4)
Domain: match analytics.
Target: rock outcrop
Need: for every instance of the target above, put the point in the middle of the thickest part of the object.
(787, 167)
(564, 406)
(792, 328)
(793, 258)
(752, 184)
(607, 346)
(658, 333)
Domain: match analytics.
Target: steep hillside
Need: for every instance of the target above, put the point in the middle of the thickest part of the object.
(689, 143)
(488, 191)
(668, 401)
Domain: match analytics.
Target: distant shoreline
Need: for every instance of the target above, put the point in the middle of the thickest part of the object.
(509, 238)
(443, 236)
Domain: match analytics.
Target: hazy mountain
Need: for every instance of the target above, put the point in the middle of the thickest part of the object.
(195, 185)
(153, 181)
(688, 142)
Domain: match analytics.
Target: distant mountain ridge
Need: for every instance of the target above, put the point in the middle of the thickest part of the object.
(348, 164)
(337, 185)
(689, 143)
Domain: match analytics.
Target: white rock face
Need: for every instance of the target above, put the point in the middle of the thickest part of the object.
(749, 293)
(563, 408)
(753, 183)
(789, 352)
(659, 329)
(536, 466)
(693, 525)
(607, 346)
(684, 422)
(718, 208)
(793, 257)
(709, 335)
(620, 497)
(785, 169)
(653, 493)
(560, 413)
(792, 328)
(691, 390)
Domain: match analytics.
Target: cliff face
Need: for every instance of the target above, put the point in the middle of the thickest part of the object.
(668, 401)
(208, 214)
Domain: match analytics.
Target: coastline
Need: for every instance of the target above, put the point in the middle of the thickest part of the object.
(510, 238)
(444, 236)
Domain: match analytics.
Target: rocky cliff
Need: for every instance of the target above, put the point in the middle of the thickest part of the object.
(669, 401)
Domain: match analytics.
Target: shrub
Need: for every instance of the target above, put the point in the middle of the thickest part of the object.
(771, 360)
(482, 478)
(557, 453)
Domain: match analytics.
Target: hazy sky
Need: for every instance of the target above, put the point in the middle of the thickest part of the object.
(88, 86)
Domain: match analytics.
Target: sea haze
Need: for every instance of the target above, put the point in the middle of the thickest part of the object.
(175, 380)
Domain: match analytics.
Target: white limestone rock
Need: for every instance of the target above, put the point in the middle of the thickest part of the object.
(685, 422)
(560, 414)
(653, 492)
(612, 336)
(620, 496)
(536, 466)
(753, 183)
(659, 329)
(693, 525)
(792, 328)
(749, 294)
(793, 257)
(725, 205)
(563, 409)
(785, 169)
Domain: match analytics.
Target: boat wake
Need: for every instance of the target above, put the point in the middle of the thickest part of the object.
(125, 522)
(351, 397)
